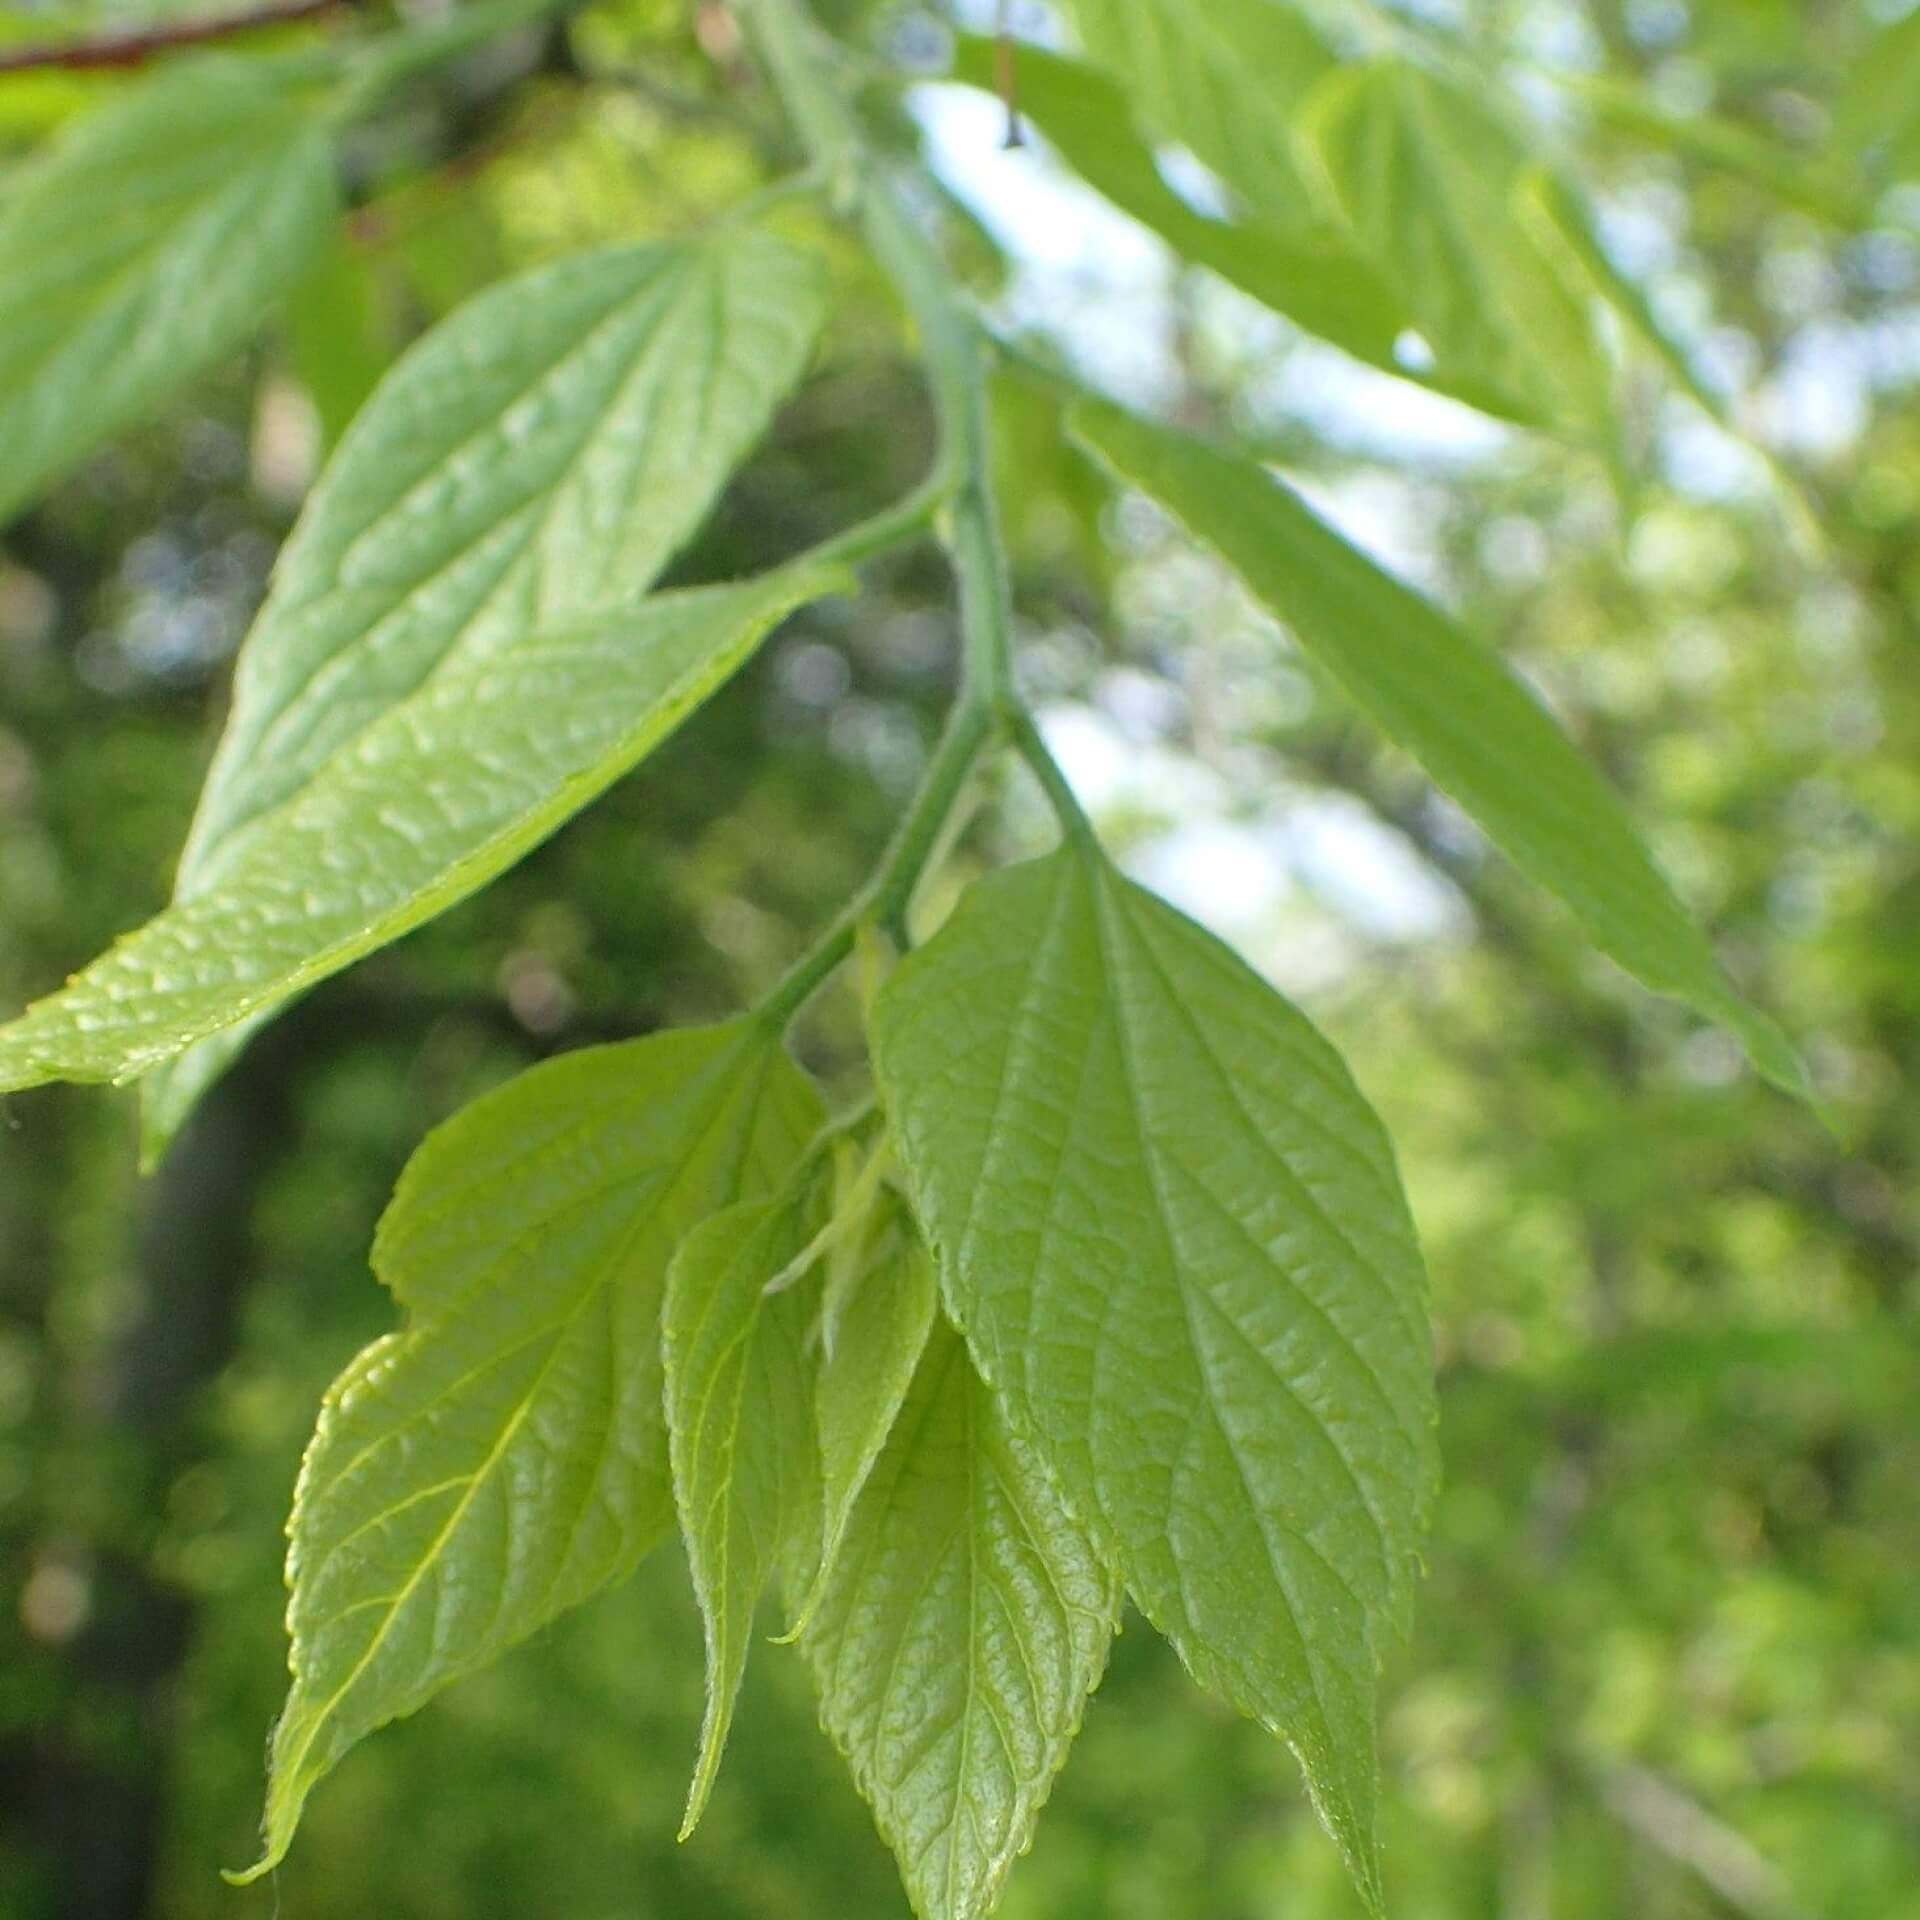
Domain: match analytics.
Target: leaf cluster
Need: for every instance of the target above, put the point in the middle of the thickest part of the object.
(1110, 1290)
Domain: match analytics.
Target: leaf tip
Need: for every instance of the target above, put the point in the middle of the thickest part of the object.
(809, 1604)
(155, 1138)
(273, 1850)
(1773, 1055)
(700, 1792)
(706, 1769)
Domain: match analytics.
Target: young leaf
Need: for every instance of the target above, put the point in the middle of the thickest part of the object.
(426, 805)
(1307, 271)
(1172, 1232)
(962, 1628)
(504, 1456)
(538, 458)
(867, 1361)
(1223, 80)
(746, 1474)
(134, 257)
(1450, 702)
(1425, 178)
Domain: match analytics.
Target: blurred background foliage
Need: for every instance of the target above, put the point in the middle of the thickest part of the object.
(1668, 1658)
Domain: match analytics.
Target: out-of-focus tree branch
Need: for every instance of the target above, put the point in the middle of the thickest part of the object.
(136, 45)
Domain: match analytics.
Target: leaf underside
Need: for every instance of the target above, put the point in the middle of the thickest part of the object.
(1173, 1234)
(1223, 80)
(961, 1630)
(1428, 181)
(1306, 269)
(504, 1455)
(531, 464)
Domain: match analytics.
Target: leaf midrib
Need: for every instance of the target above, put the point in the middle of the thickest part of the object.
(1205, 1407)
(537, 511)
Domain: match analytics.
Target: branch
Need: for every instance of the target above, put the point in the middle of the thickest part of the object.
(137, 45)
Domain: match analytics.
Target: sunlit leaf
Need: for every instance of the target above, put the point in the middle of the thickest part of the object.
(1223, 80)
(1450, 702)
(1305, 269)
(504, 1455)
(444, 791)
(536, 459)
(965, 1622)
(1425, 177)
(1560, 220)
(1173, 1234)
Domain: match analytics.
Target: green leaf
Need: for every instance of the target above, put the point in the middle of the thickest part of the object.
(870, 1350)
(537, 459)
(133, 257)
(1450, 702)
(1425, 178)
(1223, 80)
(339, 339)
(504, 1455)
(434, 799)
(1173, 1234)
(1307, 271)
(539, 456)
(746, 1473)
(963, 1627)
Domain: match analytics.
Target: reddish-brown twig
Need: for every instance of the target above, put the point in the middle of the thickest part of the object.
(137, 44)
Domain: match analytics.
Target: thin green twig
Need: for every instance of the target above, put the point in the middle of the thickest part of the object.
(887, 899)
(956, 496)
